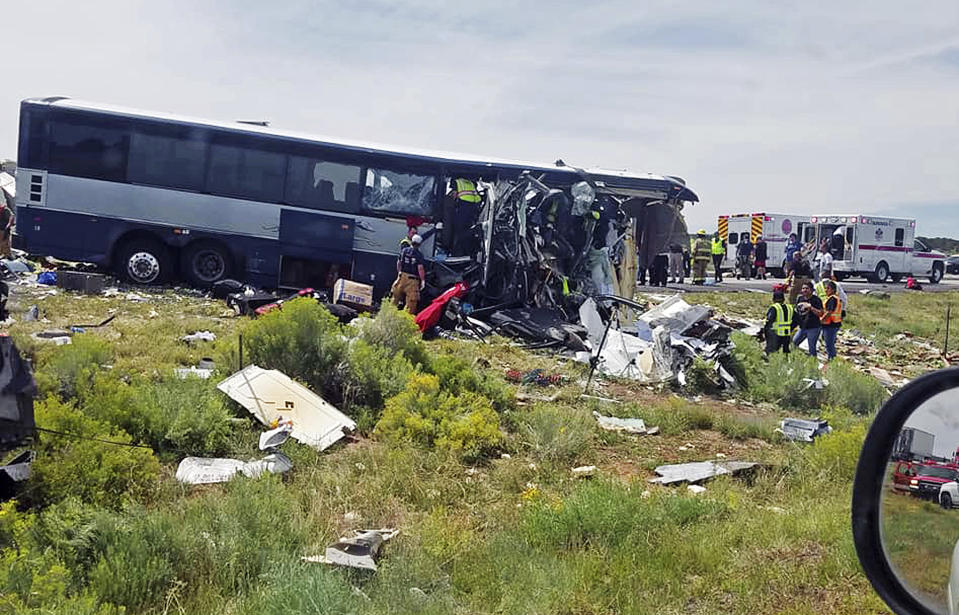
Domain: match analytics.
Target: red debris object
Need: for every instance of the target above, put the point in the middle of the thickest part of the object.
(430, 315)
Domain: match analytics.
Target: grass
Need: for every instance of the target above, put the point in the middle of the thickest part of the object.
(919, 537)
(510, 532)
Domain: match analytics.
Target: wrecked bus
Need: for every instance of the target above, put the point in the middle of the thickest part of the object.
(156, 196)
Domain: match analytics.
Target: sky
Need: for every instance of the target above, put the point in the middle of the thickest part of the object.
(822, 107)
(939, 417)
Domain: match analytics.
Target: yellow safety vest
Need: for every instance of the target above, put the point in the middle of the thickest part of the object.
(820, 289)
(784, 319)
(718, 246)
(465, 190)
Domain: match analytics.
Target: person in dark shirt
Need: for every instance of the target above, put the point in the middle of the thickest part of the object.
(799, 273)
(743, 252)
(411, 275)
(807, 319)
(779, 324)
(761, 252)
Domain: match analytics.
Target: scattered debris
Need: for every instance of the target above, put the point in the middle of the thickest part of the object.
(136, 297)
(612, 423)
(696, 489)
(522, 396)
(878, 294)
(186, 372)
(584, 471)
(88, 283)
(15, 472)
(56, 336)
(803, 430)
(358, 551)
(272, 397)
(102, 323)
(698, 471)
(32, 314)
(418, 594)
(536, 376)
(884, 378)
(47, 278)
(818, 384)
(275, 437)
(199, 336)
(202, 470)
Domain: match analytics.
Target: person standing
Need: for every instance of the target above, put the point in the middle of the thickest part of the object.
(718, 250)
(824, 271)
(676, 263)
(808, 320)
(658, 272)
(830, 316)
(792, 246)
(799, 273)
(743, 251)
(779, 324)
(700, 258)
(411, 275)
(761, 252)
(6, 228)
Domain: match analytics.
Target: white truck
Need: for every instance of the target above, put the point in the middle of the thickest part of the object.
(878, 248)
(775, 229)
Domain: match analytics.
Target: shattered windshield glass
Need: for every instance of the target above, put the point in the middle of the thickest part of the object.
(399, 193)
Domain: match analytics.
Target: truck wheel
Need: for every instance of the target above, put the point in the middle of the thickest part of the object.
(936, 275)
(206, 262)
(144, 261)
(881, 274)
(945, 500)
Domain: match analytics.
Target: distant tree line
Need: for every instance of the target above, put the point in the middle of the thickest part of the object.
(944, 244)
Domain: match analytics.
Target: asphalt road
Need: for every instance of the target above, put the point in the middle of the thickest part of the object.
(731, 284)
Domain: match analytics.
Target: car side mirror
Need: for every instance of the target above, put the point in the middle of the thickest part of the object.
(905, 505)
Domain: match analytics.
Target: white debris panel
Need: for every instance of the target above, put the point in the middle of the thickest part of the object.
(204, 470)
(698, 471)
(664, 341)
(612, 423)
(274, 398)
(358, 551)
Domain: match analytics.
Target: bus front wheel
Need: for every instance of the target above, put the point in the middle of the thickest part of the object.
(144, 261)
(206, 262)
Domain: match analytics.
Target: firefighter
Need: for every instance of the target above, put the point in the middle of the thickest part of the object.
(779, 324)
(700, 257)
(462, 209)
(410, 275)
(718, 250)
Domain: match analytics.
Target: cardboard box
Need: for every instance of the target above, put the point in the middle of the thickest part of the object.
(353, 294)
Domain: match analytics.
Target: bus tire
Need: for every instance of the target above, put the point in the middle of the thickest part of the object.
(936, 275)
(144, 260)
(205, 262)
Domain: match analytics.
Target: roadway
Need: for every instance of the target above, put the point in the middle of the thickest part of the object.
(852, 285)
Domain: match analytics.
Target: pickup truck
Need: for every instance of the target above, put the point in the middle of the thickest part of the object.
(930, 478)
(949, 495)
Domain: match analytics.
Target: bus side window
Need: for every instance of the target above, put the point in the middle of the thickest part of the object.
(167, 161)
(900, 236)
(399, 193)
(319, 184)
(86, 150)
(246, 173)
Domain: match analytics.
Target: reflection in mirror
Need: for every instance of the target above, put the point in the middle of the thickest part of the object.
(920, 503)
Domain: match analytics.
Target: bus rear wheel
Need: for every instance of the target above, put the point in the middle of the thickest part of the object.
(144, 261)
(206, 262)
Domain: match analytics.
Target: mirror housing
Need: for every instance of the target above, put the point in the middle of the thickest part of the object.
(868, 486)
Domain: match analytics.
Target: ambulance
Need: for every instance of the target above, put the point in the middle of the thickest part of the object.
(877, 248)
(775, 229)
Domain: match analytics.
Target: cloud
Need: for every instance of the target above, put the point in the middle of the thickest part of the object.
(827, 108)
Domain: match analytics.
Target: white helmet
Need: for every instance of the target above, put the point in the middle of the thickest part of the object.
(416, 240)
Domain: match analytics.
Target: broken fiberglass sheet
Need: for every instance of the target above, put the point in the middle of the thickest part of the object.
(204, 470)
(674, 314)
(698, 471)
(803, 430)
(358, 551)
(273, 397)
(623, 354)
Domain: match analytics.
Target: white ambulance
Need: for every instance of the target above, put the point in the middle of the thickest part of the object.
(877, 248)
(775, 229)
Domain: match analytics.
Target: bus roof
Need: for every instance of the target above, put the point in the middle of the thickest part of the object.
(614, 180)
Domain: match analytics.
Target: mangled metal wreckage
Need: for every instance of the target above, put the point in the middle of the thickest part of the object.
(556, 265)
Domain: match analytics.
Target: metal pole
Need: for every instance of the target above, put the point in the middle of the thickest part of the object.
(594, 360)
(945, 346)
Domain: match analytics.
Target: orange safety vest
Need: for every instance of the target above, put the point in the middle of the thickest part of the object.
(835, 316)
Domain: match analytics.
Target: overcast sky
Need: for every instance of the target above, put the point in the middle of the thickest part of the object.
(818, 107)
(940, 417)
